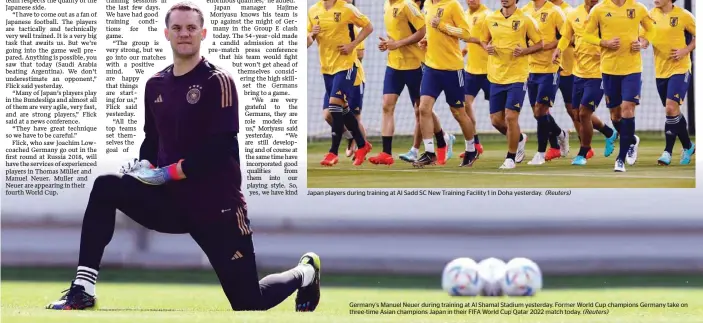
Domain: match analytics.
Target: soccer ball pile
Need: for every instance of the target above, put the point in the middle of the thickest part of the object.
(491, 277)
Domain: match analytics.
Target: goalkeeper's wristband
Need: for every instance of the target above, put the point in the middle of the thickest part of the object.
(172, 171)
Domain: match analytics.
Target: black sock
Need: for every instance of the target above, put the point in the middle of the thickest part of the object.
(682, 132)
(276, 288)
(98, 221)
(353, 126)
(627, 136)
(670, 132)
(542, 133)
(606, 131)
(554, 127)
(439, 136)
(387, 144)
(510, 156)
(584, 151)
(337, 128)
(476, 139)
(616, 125)
(555, 132)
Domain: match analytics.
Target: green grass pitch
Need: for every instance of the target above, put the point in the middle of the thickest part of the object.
(485, 173)
(194, 296)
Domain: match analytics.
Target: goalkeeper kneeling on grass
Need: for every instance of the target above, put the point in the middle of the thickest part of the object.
(187, 180)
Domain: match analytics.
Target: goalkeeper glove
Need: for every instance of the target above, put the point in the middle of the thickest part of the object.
(157, 176)
(134, 165)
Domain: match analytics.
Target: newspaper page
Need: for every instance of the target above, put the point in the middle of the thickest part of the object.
(407, 145)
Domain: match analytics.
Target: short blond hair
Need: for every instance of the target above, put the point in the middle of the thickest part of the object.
(186, 6)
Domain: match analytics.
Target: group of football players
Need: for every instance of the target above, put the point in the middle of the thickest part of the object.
(587, 53)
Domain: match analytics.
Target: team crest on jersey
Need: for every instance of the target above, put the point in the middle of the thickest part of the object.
(674, 21)
(193, 95)
(543, 16)
(631, 13)
(440, 12)
(395, 12)
(337, 16)
(516, 24)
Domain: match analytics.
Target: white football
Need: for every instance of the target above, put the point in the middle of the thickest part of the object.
(460, 278)
(522, 278)
(491, 271)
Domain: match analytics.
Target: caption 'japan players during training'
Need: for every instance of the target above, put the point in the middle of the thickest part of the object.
(543, 81)
(331, 23)
(672, 64)
(187, 180)
(505, 39)
(588, 84)
(618, 24)
(444, 73)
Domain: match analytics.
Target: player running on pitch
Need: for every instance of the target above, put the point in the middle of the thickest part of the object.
(618, 23)
(329, 23)
(505, 39)
(672, 63)
(405, 27)
(476, 69)
(566, 81)
(543, 82)
(188, 180)
(588, 84)
(444, 73)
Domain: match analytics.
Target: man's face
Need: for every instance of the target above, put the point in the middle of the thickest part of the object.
(661, 3)
(473, 3)
(185, 33)
(507, 3)
(592, 2)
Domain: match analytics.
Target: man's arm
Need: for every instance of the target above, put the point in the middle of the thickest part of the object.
(648, 24)
(486, 38)
(689, 26)
(534, 35)
(417, 20)
(567, 33)
(361, 21)
(149, 149)
(460, 29)
(558, 20)
(591, 33)
(476, 38)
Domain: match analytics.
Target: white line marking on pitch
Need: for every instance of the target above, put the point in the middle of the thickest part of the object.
(507, 172)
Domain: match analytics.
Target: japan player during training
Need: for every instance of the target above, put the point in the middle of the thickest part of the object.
(543, 82)
(187, 180)
(505, 38)
(444, 73)
(355, 102)
(331, 23)
(618, 23)
(672, 63)
(566, 80)
(588, 84)
(442, 137)
(476, 70)
(405, 27)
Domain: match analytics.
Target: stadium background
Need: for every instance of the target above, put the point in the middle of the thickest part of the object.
(650, 115)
